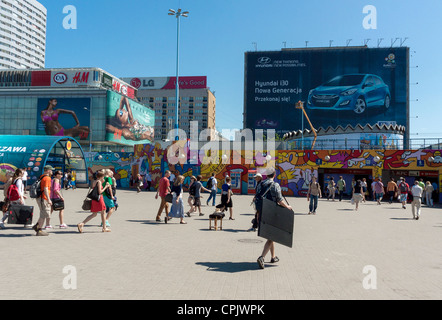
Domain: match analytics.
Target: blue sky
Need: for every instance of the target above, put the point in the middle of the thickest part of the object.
(138, 38)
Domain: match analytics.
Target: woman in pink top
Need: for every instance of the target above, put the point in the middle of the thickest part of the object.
(56, 194)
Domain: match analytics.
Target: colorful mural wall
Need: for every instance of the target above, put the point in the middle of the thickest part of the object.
(295, 168)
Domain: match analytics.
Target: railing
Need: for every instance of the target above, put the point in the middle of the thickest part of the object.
(360, 144)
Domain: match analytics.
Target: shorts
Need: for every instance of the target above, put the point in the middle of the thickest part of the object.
(197, 201)
(45, 208)
(108, 202)
(404, 197)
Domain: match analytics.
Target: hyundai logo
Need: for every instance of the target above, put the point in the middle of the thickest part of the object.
(264, 60)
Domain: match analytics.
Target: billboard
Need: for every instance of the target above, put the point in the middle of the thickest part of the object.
(128, 122)
(64, 117)
(195, 82)
(339, 86)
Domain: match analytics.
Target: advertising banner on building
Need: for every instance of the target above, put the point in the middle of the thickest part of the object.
(64, 117)
(196, 82)
(339, 86)
(128, 122)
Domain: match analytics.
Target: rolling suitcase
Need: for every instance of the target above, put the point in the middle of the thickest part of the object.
(19, 214)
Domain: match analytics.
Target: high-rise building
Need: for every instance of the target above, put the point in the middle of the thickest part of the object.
(197, 103)
(22, 34)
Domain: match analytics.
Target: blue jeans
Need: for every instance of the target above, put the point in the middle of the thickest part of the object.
(313, 203)
(212, 195)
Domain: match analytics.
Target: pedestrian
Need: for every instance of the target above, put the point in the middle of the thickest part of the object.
(212, 185)
(138, 183)
(429, 194)
(44, 201)
(197, 186)
(379, 190)
(25, 180)
(163, 190)
(172, 177)
(148, 178)
(364, 188)
(13, 193)
(177, 209)
(416, 192)
(403, 189)
(191, 197)
(392, 189)
(226, 198)
(114, 190)
(422, 185)
(97, 206)
(273, 192)
(331, 189)
(358, 192)
(108, 195)
(65, 180)
(326, 191)
(313, 193)
(341, 187)
(373, 192)
(56, 196)
(5, 194)
(255, 201)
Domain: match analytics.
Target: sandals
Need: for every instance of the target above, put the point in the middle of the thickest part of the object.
(80, 227)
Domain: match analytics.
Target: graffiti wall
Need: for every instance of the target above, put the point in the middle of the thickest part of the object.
(294, 168)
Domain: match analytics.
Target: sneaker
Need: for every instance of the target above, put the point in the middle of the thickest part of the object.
(41, 233)
(2, 225)
(274, 260)
(261, 262)
(63, 226)
(48, 227)
(201, 214)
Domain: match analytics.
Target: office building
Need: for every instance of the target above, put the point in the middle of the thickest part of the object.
(22, 34)
(197, 103)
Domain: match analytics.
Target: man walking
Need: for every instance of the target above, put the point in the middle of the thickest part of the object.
(163, 190)
(212, 185)
(341, 187)
(416, 191)
(44, 201)
(403, 189)
(274, 193)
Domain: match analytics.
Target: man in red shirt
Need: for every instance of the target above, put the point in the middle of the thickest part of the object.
(163, 190)
(44, 202)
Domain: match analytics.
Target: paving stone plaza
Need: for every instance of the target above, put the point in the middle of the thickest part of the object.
(377, 252)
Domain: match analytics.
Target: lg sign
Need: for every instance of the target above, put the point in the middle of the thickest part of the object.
(60, 78)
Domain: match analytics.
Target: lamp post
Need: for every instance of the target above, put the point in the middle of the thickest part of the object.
(178, 14)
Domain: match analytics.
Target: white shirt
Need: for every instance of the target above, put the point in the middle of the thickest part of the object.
(416, 191)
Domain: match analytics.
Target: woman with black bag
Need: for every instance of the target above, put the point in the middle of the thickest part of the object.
(57, 200)
(97, 205)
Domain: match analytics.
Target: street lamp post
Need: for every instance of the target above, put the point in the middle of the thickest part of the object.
(177, 14)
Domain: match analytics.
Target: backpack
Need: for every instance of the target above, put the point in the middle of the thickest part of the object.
(13, 193)
(35, 190)
(209, 183)
(403, 187)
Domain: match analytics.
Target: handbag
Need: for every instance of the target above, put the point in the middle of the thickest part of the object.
(168, 198)
(94, 195)
(87, 204)
(57, 204)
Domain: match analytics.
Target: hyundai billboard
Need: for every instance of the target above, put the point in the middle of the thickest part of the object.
(339, 86)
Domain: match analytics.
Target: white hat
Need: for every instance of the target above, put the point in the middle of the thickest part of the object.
(258, 175)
